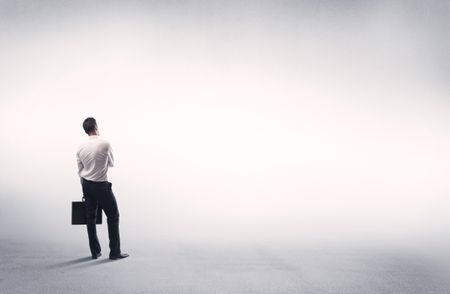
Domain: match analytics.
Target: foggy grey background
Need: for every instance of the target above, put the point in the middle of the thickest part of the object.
(231, 122)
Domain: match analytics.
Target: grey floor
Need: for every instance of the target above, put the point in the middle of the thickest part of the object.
(178, 268)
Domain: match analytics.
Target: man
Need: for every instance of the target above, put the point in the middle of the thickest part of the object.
(94, 156)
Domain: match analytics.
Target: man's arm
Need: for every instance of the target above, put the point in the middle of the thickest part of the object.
(110, 156)
(80, 166)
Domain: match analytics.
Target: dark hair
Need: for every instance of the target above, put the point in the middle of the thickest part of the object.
(89, 125)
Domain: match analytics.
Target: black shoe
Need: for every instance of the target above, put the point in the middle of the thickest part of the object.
(119, 256)
(95, 256)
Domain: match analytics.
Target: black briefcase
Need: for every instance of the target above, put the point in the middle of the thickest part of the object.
(79, 213)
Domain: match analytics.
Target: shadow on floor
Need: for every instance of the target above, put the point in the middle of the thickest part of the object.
(79, 262)
(96, 262)
(70, 262)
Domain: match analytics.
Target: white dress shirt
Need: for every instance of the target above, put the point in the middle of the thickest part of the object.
(94, 156)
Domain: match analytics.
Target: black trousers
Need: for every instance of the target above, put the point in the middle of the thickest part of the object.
(100, 193)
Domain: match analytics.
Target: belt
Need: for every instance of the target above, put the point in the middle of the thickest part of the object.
(93, 182)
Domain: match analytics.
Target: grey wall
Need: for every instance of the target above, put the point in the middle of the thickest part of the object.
(235, 121)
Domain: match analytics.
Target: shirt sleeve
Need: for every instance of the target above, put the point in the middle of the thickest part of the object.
(110, 156)
(80, 166)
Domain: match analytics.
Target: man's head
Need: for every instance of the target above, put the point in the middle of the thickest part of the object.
(90, 126)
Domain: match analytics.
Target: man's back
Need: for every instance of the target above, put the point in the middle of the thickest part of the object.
(94, 156)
